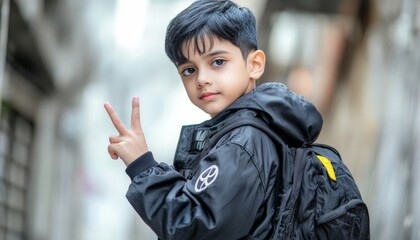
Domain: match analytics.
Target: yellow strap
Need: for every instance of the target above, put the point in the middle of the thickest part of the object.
(327, 164)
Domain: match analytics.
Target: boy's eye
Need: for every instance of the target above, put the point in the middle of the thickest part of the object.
(188, 71)
(218, 62)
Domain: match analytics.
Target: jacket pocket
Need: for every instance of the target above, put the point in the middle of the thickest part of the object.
(346, 222)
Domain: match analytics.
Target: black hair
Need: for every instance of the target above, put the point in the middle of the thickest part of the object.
(222, 19)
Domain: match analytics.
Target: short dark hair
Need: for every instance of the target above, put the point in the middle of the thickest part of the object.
(211, 18)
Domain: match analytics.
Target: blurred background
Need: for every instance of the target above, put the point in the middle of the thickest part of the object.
(358, 61)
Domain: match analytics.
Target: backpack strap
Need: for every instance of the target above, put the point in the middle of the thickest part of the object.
(284, 226)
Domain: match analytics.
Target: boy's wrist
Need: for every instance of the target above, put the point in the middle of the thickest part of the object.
(141, 164)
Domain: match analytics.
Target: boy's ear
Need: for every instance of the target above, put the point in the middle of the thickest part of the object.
(257, 64)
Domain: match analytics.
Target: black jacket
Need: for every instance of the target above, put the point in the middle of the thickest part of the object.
(222, 187)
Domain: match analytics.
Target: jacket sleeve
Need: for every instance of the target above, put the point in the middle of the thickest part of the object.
(221, 201)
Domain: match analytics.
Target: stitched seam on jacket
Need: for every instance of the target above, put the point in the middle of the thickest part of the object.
(251, 156)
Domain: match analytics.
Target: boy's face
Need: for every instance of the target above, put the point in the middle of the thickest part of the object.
(217, 77)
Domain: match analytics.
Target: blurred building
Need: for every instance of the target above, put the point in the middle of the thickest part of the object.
(357, 61)
(38, 159)
(25, 82)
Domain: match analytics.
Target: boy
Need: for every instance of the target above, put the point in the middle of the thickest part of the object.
(219, 188)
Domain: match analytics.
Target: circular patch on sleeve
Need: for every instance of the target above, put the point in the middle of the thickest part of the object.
(206, 178)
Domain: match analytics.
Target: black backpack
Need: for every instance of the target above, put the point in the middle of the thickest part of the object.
(317, 195)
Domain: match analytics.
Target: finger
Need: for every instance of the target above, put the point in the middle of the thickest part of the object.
(112, 152)
(114, 139)
(115, 119)
(135, 115)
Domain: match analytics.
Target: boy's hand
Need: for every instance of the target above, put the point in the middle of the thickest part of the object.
(131, 143)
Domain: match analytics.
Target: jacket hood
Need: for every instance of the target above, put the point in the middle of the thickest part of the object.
(291, 116)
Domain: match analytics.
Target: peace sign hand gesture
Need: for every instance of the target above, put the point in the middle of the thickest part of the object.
(131, 143)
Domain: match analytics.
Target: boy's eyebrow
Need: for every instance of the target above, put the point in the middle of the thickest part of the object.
(217, 52)
(210, 54)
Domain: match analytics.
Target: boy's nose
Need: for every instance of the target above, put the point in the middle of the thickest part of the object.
(203, 78)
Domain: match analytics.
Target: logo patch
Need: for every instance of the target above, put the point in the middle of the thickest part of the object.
(206, 178)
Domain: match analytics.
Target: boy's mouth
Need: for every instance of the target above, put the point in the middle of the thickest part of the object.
(208, 95)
